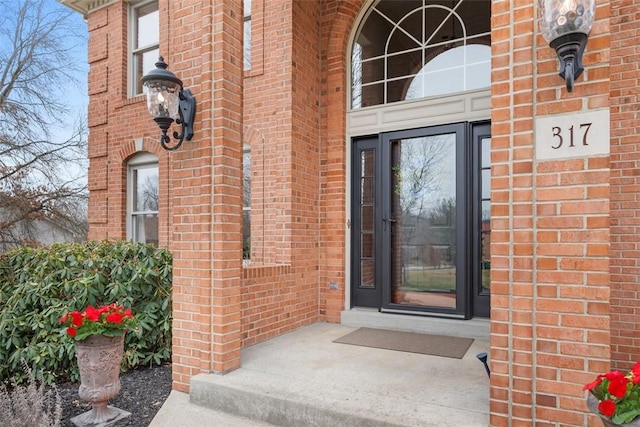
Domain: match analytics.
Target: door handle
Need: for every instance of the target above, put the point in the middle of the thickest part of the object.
(385, 220)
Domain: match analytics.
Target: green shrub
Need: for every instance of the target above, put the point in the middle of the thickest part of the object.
(39, 285)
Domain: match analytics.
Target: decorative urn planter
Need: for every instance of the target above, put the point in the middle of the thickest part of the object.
(99, 359)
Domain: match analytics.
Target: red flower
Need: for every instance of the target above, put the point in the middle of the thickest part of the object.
(114, 318)
(76, 318)
(618, 387)
(92, 314)
(106, 320)
(636, 373)
(607, 407)
(592, 385)
(614, 375)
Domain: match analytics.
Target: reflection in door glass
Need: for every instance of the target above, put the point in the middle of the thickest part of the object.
(367, 203)
(485, 228)
(423, 236)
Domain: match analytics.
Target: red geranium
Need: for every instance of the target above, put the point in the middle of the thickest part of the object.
(618, 387)
(607, 408)
(114, 317)
(92, 314)
(636, 373)
(618, 394)
(110, 320)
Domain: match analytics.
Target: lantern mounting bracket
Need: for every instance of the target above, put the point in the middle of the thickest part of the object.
(570, 48)
(164, 93)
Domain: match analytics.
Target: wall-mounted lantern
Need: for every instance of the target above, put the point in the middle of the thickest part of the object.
(167, 101)
(565, 25)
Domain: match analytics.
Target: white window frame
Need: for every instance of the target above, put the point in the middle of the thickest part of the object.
(140, 161)
(246, 208)
(134, 86)
(246, 43)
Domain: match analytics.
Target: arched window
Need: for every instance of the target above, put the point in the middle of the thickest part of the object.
(415, 49)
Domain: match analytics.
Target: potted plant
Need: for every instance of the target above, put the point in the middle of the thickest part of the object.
(615, 397)
(99, 335)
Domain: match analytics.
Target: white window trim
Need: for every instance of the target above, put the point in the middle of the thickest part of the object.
(132, 31)
(142, 160)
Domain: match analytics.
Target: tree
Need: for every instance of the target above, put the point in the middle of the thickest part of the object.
(42, 156)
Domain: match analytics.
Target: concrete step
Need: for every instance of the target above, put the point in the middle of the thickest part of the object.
(305, 379)
(178, 411)
(287, 401)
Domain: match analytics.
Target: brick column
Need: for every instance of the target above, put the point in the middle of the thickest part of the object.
(625, 184)
(550, 229)
(205, 45)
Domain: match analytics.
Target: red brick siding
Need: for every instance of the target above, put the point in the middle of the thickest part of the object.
(625, 184)
(551, 253)
(338, 21)
(550, 231)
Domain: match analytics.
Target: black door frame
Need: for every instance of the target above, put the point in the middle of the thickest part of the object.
(479, 299)
(469, 300)
(461, 172)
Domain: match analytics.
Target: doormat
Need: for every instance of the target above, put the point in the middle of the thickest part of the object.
(411, 342)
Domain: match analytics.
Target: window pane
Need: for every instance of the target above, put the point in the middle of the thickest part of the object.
(145, 228)
(371, 95)
(247, 34)
(145, 197)
(246, 179)
(148, 26)
(247, 45)
(144, 37)
(486, 184)
(366, 274)
(486, 152)
(424, 234)
(246, 234)
(246, 203)
(143, 63)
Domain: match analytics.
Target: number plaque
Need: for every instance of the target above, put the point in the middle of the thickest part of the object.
(583, 134)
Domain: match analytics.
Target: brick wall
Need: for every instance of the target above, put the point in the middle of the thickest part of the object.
(550, 230)
(564, 236)
(199, 222)
(625, 184)
(281, 124)
(338, 19)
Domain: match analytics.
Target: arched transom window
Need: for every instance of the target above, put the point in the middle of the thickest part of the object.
(418, 48)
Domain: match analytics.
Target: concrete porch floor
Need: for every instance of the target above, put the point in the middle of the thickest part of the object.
(304, 379)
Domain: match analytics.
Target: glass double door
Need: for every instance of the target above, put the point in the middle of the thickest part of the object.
(420, 220)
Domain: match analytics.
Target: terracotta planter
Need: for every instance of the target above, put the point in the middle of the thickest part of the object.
(592, 404)
(99, 360)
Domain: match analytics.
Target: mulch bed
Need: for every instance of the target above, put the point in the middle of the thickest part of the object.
(143, 392)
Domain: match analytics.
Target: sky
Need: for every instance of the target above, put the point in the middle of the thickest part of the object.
(77, 93)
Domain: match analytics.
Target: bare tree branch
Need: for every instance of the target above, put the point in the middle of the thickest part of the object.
(36, 68)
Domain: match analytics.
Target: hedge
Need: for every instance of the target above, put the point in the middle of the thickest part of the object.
(39, 285)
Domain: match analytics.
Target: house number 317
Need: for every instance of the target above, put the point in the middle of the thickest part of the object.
(560, 135)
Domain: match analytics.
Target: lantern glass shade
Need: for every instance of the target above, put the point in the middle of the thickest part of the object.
(560, 17)
(163, 98)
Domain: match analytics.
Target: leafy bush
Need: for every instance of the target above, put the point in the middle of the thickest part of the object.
(39, 285)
